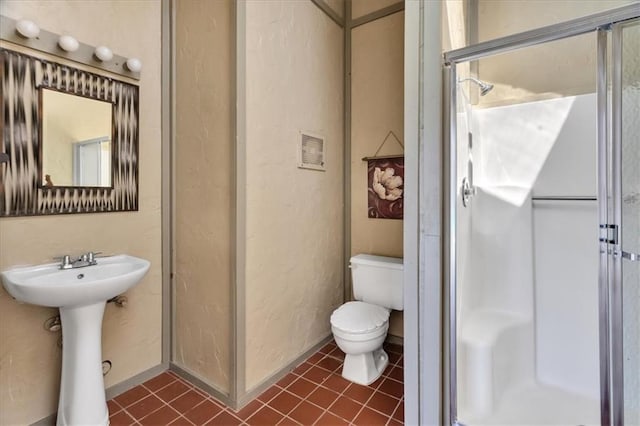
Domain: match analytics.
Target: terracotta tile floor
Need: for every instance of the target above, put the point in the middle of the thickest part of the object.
(314, 393)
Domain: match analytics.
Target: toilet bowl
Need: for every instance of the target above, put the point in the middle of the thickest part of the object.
(359, 330)
(360, 327)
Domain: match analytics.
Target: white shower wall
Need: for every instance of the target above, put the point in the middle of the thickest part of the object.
(496, 340)
(530, 277)
(566, 257)
(566, 292)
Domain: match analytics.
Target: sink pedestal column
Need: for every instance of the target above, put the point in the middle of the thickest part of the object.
(82, 397)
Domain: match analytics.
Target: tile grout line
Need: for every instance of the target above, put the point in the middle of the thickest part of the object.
(364, 405)
(124, 408)
(188, 386)
(187, 420)
(320, 385)
(207, 397)
(343, 394)
(376, 389)
(162, 400)
(326, 410)
(294, 407)
(393, 412)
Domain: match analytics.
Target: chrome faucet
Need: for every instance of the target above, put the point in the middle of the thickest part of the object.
(87, 259)
(65, 262)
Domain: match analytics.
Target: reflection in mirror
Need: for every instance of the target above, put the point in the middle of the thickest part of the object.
(76, 140)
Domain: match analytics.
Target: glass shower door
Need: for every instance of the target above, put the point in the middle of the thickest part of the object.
(526, 224)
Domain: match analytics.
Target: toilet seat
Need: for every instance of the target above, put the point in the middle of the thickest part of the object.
(360, 318)
(360, 337)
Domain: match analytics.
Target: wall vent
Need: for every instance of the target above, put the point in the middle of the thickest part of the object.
(311, 152)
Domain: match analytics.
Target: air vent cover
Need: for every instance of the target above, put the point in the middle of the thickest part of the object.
(311, 152)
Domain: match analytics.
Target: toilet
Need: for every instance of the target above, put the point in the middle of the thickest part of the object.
(360, 327)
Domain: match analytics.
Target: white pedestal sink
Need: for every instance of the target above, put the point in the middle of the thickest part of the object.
(81, 295)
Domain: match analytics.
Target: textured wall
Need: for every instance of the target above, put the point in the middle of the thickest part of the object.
(29, 356)
(337, 6)
(377, 90)
(559, 68)
(499, 18)
(364, 7)
(203, 189)
(454, 24)
(294, 79)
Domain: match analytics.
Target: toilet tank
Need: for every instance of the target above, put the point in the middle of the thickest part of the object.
(378, 280)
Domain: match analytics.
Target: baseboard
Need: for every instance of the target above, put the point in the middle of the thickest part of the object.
(225, 398)
(114, 390)
(273, 379)
(396, 340)
(134, 381)
(47, 421)
(201, 383)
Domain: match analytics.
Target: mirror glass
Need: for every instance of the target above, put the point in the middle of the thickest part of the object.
(76, 140)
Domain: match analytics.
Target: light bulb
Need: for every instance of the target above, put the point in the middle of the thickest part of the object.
(27, 29)
(134, 64)
(103, 53)
(68, 43)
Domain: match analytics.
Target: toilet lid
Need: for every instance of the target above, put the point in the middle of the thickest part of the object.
(359, 317)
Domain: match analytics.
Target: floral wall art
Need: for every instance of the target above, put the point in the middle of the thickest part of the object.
(385, 187)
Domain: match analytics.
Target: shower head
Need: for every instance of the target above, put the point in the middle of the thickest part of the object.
(484, 87)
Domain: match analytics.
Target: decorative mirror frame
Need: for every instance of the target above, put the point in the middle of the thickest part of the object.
(21, 190)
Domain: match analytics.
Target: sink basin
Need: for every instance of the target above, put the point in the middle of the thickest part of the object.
(46, 285)
(81, 294)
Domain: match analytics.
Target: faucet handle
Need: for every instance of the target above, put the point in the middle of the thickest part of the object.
(91, 256)
(65, 261)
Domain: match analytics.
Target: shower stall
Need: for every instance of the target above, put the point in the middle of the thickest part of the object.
(544, 225)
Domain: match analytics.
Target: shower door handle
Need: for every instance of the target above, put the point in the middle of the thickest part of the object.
(634, 257)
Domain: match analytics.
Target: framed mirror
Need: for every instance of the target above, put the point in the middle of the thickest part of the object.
(71, 137)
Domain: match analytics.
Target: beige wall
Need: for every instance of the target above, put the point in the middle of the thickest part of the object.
(377, 90)
(294, 225)
(560, 68)
(203, 170)
(337, 6)
(455, 33)
(364, 7)
(499, 18)
(29, 356)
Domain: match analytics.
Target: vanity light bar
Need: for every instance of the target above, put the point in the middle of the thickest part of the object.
(64, 47)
